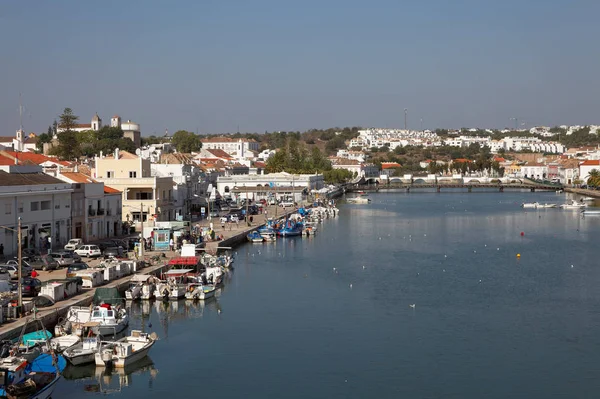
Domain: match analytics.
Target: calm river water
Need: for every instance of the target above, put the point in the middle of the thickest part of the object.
(485, 324)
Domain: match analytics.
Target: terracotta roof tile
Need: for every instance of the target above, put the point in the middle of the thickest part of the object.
(110, 190)
(78, 177)
(26, 179)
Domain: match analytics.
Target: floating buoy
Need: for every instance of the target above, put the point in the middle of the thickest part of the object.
(522, 234)
(518, 255)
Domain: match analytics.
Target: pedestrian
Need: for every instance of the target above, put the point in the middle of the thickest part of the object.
(251, 219)
(230, 225)
(34, 274)
(223, 223)
(1, 249)
(172, 244)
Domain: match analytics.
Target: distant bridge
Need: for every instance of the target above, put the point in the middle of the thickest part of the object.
(438, 186)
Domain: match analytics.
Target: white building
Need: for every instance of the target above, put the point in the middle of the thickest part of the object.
(96, 214)
(263, 185)
(130, 129)
(235, 147)
(20, 142)
(534, 170)
(44, 205)
(586, 167)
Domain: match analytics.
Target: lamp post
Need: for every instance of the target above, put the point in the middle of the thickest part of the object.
(20, 262)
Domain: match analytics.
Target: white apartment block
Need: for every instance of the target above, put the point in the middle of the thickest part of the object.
(44, 205)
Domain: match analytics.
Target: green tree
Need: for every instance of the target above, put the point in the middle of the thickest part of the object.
(336, 176)
(186, 142)
(594, 178)
(43, 139)
(68, 147)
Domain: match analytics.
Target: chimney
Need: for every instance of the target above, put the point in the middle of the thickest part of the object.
(100, 154)
(76, 168)
(117, 153)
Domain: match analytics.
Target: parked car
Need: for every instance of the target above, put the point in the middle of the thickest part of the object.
(26, 267)
(71, 269)
(272, 201)
(13, 270)
(117, 243)
(31, 286)
(73, 244)
(63, 258)
(116, 252)
(214, 213)
(88, 251)
(4, 274)
(286, 203)
(44, 262)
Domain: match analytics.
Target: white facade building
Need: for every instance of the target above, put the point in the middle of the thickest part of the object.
(44, 205)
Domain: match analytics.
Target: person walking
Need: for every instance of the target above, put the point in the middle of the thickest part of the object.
(172, 244)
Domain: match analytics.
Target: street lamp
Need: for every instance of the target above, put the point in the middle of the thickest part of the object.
(20, 262)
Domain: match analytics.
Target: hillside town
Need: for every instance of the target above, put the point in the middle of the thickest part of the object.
(114, 191)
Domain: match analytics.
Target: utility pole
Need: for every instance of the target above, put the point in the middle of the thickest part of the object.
(142, 230)
(247, 200)
(20, 261)
(405, 115)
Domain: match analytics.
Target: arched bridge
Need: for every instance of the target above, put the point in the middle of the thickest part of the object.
(439, 186)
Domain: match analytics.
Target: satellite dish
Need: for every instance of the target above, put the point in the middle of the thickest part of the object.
(138, 151)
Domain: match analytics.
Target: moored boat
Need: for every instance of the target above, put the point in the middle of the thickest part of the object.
(255, 237)
(110, 320)
(200, 291)
(573, 205)
(530, 205)
(125, 351)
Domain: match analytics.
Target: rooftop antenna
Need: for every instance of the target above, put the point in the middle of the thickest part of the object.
(20, 112)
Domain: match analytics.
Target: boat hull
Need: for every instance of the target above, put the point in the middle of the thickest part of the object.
(47, 391)
(110, 329)
(121, 362)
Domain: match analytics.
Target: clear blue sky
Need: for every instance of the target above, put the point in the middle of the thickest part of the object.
(271, 65)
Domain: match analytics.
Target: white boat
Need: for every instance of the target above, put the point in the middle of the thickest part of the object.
(60, 344)
(111, 320)
(213, 275)
(530, 205)
(73, 321)
(200, 291)
(573, 205)
(269, 237)
(547, 206)
(141, 286)
(83, 352)
(125, 351)
(362, 199)
(588, 199)
(171, 288)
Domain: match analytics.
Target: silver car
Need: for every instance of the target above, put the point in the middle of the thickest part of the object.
(63, 258)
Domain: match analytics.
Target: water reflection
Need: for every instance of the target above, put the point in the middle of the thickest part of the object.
(107, 381)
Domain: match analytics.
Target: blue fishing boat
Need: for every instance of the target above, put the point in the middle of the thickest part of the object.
(32, 380)
(290, 228)
(255, 236)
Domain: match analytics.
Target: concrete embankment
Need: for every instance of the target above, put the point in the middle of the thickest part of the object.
(584, 192)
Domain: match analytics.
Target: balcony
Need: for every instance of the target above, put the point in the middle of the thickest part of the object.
(100, 212)
(108, 212)
(91, 212)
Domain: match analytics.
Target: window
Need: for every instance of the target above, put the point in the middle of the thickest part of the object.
(7, 209)
(132, 174)
(35, 206)
(45, 205)
(110, 174)
(20, 207)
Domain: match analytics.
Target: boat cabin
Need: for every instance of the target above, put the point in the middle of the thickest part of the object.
(12, 370)
(178, 274)
(186, 263)
(103, 312)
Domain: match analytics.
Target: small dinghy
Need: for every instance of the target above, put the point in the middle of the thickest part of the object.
(125, 351)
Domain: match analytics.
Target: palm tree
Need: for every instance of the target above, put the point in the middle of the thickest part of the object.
(593, 178)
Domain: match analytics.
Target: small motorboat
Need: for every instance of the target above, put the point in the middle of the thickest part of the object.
(60, 344)
(362, 199)
(141, 286)
(125, 351)
(200, 291)
(573, 205)
(84, 351)
(111, 320)
(71, 324)
(588, 199)
(269, 237)
(547, 206)
(530, 205)
(255, 237)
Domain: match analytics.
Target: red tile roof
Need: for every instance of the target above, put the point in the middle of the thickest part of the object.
(591, 162)
(110, 190)
(6, 161)
(260, 165)
(390, 165)
(220, 154)
(78, 177)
